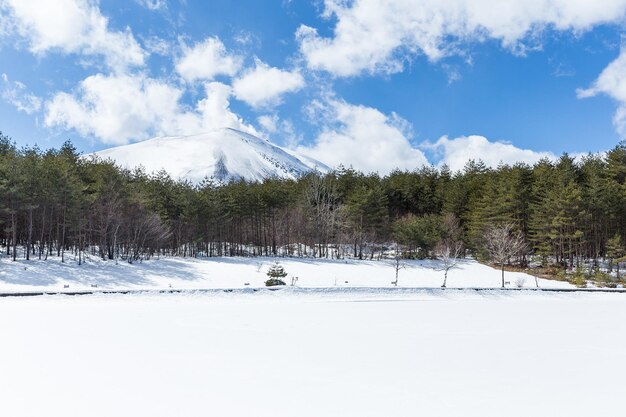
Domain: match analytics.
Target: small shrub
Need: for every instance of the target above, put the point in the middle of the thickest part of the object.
(578, 279)
(276, 273)
(602, 279)
(272, 282)
(519, 283)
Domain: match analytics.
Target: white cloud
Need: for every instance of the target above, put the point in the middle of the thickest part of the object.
(269, 123)
(619, 120)
(265, 85)
(206, 60)
(612, 82)
(370, 141)
(15, 93)
(71, 26)
(122, 108)
(246, 38)
(378, 35)
(362, 137)
(153, 4)
(157, 45)
(214, 111)
(273, 126)
(5, 21)
(458, 151)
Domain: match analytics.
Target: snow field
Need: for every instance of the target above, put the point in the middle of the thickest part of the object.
(225, 272)
(281, 353)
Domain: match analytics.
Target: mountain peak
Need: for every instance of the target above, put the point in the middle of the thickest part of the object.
(224, 154)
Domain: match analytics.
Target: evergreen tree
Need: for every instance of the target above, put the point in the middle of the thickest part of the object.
(615, 252)
(276, 273)
(55, 203)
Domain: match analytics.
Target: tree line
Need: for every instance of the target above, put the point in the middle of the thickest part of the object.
(567, 212)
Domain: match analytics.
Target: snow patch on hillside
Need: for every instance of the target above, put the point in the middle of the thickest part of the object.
(224, 154)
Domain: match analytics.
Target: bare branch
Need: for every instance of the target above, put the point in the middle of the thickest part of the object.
(503, 243)
(448, 252)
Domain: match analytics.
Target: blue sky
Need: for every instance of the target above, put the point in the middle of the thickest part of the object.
(369, 83)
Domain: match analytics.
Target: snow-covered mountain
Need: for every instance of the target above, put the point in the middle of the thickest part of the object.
(223, 154)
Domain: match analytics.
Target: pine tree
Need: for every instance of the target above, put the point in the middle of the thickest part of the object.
(615, 252)
(366, 216)
(276, 273)
(419, 234)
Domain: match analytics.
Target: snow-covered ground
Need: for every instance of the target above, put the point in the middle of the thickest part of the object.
(288, 353)
(226, 272)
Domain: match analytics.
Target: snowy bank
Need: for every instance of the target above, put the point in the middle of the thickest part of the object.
(239, 272)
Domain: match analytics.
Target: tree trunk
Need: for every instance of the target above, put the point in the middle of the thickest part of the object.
(63, 238)
(29, 241)
(14, 229)
(41, 236)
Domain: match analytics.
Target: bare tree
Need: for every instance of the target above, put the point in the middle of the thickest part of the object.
(448, 252)
(503, 243)
(397, 263)
(321, 200)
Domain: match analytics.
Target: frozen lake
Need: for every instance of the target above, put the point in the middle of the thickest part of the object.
(289, 354)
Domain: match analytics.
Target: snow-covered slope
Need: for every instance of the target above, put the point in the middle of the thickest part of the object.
(223, 154)
(207, 273)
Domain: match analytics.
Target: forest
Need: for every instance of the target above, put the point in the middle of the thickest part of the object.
(567, 213)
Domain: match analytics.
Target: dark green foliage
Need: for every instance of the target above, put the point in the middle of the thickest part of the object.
(276, 271)
(602, 279)
(578, 278)
(366, 218)
(418, 234)
(569, 212)
(272, 282)
(615, 252)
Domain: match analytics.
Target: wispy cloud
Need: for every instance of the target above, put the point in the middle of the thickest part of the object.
(16, 93)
